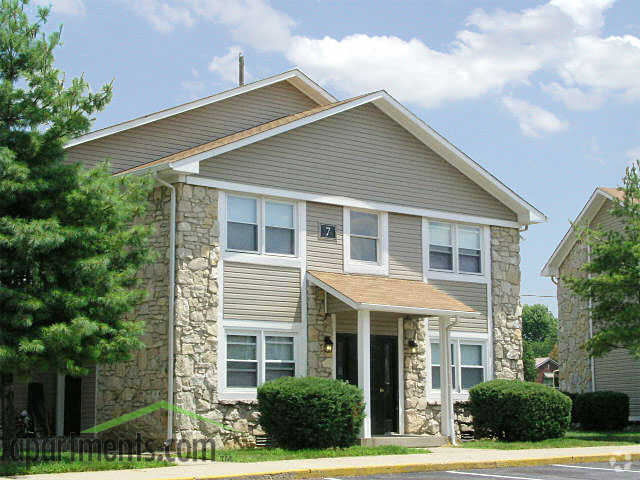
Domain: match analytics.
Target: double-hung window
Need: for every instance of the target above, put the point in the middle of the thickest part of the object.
(257, 358)
(259, 225)
(455, 248)
(468, 364)
(365, 242)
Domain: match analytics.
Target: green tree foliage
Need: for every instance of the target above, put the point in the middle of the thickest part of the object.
(612, 282)
(529, 361)
(539, 330)
(69, 247)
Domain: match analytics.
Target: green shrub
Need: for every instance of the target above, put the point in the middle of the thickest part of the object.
(573, 396)
(602, 410)
(311, 412)
(512, 410)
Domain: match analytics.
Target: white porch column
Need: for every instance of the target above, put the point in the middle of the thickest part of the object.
(364, 367)
(446, 402)
(60, 383)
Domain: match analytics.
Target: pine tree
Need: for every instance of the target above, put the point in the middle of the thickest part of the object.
(612, 283)
(70, 248)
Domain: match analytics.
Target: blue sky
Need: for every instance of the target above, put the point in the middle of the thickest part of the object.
(544, 94)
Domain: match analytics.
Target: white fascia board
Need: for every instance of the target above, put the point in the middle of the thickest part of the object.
(595, 203)
(347, 202)
(527, 213)
(294, 77)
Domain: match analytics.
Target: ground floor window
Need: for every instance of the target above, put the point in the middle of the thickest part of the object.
(257, 357)
(468, 364)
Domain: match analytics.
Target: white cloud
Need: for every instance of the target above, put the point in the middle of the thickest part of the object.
(533, 120)
(162, 16)
(633, 154)
(226, 66)
(65, 7)
(573, 97)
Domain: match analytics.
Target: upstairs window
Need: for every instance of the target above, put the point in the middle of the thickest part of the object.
(258, 225)
(455, 248)
(364, 236)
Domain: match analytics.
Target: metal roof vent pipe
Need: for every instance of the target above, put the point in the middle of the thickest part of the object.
(240, 69)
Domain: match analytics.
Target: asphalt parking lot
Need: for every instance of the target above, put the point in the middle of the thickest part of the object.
(583, 471)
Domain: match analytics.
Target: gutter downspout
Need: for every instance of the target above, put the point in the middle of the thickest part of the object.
(172, 301)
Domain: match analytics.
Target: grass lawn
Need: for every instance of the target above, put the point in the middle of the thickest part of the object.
(270, 454)
(66, 464)
(571, 439)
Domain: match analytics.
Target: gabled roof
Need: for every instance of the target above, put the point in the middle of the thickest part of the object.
(187, 161)
(295, 77)
(540, 361)
(598, 198)
(373, 292)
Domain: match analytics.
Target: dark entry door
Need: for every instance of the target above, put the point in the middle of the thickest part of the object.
(384, 377)
(384, 384)
(72, 404)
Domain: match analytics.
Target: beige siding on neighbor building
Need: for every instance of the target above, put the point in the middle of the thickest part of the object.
(620, 372)
(195, 127)
(324, 254)
(605, 220)
(405, 249)
(382, 323)
(258, 292)
(362, 154)
(471, 294)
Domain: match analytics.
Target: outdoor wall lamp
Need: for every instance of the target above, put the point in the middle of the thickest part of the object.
(328, 345)
(413, 346)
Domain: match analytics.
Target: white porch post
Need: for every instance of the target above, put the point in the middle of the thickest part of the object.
(401, 376)
(364, 367)
(60, 383)
(446, 385)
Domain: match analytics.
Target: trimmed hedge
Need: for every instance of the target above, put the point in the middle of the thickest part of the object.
(602, 410)
(311, 412)
(512, 410)
(572, 396)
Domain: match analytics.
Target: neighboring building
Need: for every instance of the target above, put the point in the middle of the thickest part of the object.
(314, 237)
(545, 367)
(618, 370)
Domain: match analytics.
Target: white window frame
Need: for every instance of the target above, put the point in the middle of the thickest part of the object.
(381, 267)
(483, 276)
(457, 339)
(261, 256)
(261, 330)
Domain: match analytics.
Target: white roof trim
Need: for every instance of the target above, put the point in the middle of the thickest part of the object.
(295, 77)
(388, 308)
(526, 212)
(593, 206)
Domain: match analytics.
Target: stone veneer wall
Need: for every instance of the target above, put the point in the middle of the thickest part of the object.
(127, 386)
(573, 323)
(319, 325)
(507, 310)
(196, 334)
(418, 417)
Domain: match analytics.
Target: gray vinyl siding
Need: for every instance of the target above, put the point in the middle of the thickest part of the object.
(258, 292)
(620, 372)
(382, 323)
(195, 127)
(324, 254)
(360, 153)
(605, 220)
(471, 294)
(334, 305)
(405, 249)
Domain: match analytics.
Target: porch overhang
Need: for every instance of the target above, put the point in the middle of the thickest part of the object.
(377, 293)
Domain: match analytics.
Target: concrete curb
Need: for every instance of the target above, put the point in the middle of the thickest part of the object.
(307, 473)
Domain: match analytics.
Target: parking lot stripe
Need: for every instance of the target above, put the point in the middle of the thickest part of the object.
(492, 476)
(621, 470)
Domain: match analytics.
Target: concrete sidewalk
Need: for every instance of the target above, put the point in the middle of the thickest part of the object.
(442, 458)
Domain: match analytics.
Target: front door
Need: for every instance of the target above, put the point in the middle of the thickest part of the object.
(384, 377)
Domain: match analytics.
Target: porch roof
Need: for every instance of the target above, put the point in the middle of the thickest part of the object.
(372, 292)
